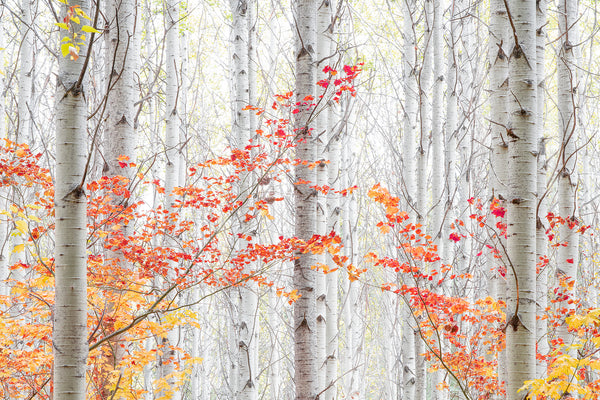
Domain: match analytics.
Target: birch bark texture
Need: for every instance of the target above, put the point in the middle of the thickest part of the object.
(69, 340)
(24, 104)
(323, 52)
(304, 278)
(543, 346)
(248, 300)
(167, 370)
(568, 255)
(120, 133)
(521, 237)
(499, 181)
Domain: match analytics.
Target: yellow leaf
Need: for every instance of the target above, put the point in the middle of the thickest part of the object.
(76, 19)
(34, 218)
(82, 13)
(19, 248)
(14, 208)
(62, 25)
(87, 28)
(64, 49)
(21, 226)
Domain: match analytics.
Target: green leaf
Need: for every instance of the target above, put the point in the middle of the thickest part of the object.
(64, 49)
(87, 28)
(62, 25)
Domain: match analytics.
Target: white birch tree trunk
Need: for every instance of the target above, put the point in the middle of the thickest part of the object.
(24, 104)
(322, 131)
(70, 345)
(120, 133)
(437, 133)
(499, 181)
(543, 346)
(408, 354)
(305, 363)
(274, 370)
(521, 246)
(425, 115)
(248, 300)
(438, 163)
(4, 238)
(167, 364)
(568, 254)
(411, 96)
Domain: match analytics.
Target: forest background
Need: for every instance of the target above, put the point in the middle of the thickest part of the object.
(307, 199)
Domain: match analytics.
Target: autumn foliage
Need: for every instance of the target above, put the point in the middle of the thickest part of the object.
(465, 337)
(138, 277)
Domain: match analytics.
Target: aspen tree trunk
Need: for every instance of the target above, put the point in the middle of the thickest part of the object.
(425, 114)
(253, 292)
(348, 310)
(543, 346)
(305, 363)
(568, 256)
(450, 131)
(120, 133)
(354, 329)
(499, 181)
(274, 370)
(248, 300)
(437, 159)
(70, 345)
(24, 104)
(411, 96)
(332, 149)
(4, 238)
(408, 354)
(437, 134)
(168, 360)
(521, 318)
(322, 131)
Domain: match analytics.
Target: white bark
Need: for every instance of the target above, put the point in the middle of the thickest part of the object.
(167, 363)
(438, 163)
(275, 362)
(70, 345)
(120, 132)
(521, 315)
(323, 133)
(568, 255)
(437, 133)
(4, 238)
(425, 114)
(408, 354)
(409, 71)
(499, 180)
(543, 347)
(411, 96)
(24, 104)
(248, 300)
(305, 376)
